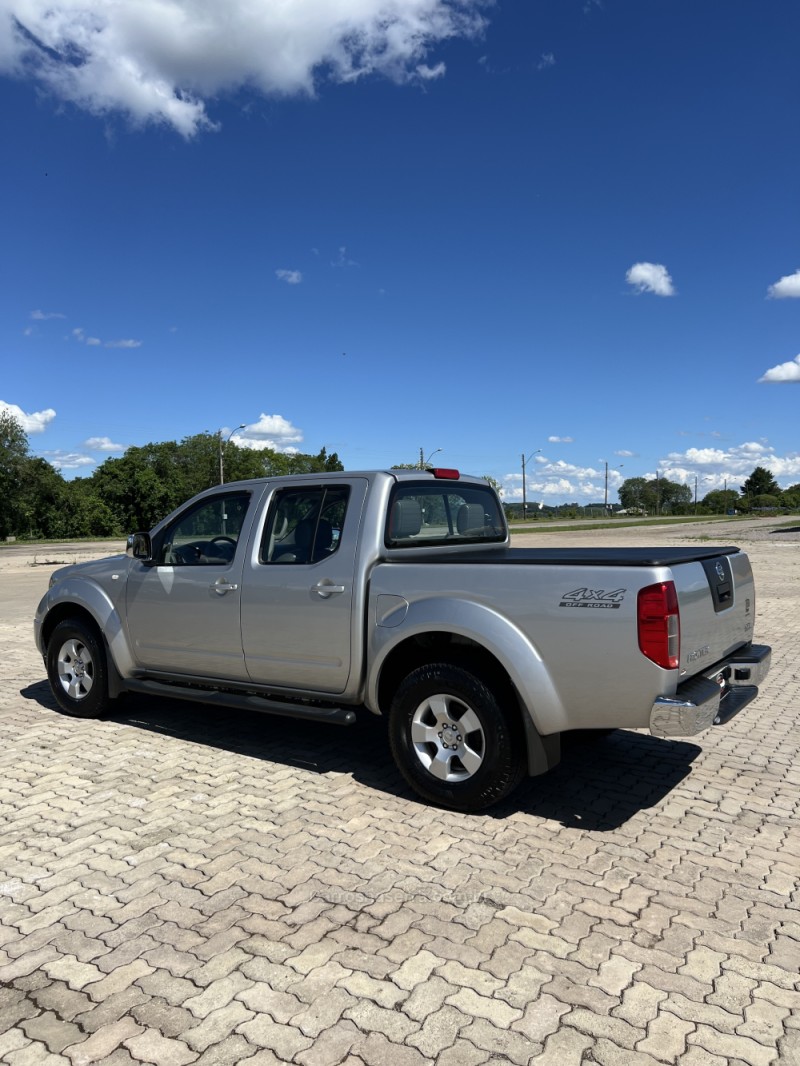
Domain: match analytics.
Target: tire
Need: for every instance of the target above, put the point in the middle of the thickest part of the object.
(452, 741)
(77, 670)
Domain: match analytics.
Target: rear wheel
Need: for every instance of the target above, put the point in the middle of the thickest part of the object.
(76, 669)
(452, 740)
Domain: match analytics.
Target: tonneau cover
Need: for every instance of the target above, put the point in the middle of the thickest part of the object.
(568, 556)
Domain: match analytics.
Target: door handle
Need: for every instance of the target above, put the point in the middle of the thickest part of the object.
(327, 588)
(221, 587)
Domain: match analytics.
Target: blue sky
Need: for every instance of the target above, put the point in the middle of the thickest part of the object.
(563, 228)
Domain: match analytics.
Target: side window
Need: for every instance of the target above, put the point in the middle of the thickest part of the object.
(304, 525)
(208, 534)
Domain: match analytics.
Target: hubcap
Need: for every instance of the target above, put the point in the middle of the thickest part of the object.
(75, 669)
(447, 737)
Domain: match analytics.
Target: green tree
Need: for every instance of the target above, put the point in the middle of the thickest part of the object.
(13, 461)
(760, 483)
(720, 501)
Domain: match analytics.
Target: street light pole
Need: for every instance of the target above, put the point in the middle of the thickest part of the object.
(424, 462)
(524, 498)
(221, 450)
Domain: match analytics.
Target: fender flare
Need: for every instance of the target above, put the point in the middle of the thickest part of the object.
(515, 652)
(88, 596)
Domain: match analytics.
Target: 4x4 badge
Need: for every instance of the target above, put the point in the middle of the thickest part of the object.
(593, 598)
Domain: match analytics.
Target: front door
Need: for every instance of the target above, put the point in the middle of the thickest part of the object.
(184, 613)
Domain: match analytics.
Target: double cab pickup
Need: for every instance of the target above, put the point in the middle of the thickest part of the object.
(397, 592)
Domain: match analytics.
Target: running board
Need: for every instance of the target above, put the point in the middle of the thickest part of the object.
(215, 698)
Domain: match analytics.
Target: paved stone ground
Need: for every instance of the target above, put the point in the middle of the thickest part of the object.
(183, 886)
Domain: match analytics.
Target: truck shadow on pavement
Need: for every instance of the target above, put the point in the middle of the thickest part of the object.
(602, 781)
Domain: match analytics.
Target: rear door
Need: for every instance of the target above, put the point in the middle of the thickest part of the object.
(297, 598)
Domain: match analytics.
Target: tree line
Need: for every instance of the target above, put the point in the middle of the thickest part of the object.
(128, 493)
(759, 492)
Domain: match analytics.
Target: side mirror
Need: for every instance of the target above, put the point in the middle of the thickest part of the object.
(140, 547)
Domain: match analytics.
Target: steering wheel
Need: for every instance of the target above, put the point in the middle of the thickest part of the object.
(224, 539)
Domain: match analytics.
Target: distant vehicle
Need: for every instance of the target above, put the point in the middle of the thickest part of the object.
(398, 592)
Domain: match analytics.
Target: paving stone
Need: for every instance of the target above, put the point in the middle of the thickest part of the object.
(150, 1046)
(503, 1043)
(439, 1032)
(217, 1025)
(332, 1045)
(286, 1041)
(48, 1029)
(102, 1043)
(732, 1047)
(564, 1048)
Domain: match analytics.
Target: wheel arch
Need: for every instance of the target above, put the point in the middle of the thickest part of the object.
(479, 640)
(89, 603)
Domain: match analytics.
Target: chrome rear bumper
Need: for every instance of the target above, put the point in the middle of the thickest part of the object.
(712, 698)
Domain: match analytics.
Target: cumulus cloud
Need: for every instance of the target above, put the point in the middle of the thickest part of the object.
(291, 277)
(787, 287)
(163, 60)
(44, 316)
(651, 277)
(36, 422)
(559, 481)
(789, 371)
(102, 444)
(561, 440)
(67, 460)
(714, 466)
(270, 431)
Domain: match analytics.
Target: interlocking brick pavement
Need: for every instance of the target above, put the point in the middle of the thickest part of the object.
(180, 885)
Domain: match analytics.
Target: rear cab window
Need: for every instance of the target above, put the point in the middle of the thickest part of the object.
(427, 514)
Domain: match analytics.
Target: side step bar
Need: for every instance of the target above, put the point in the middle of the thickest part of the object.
(243, 702)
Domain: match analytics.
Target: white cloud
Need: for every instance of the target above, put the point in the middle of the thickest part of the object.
(43, 316)
(547, 59)
(712, 466)
(623, 453)
(94, 342)
(102, 444)
(270, 431)
(650, 277)
(787, 288)
(429, 73)
(163, 60)
(561, 481)
(67, 460)
(291, 277)
(784, 371)
(36, 422)
(560, 440)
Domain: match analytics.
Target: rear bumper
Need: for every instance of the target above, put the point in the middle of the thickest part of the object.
(712, 698)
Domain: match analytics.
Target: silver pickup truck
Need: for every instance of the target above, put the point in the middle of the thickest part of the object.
(398, 592)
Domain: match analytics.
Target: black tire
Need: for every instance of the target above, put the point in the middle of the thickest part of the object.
(77, 669)
(452, 740)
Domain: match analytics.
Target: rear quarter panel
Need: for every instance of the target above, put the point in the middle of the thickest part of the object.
(566, 635)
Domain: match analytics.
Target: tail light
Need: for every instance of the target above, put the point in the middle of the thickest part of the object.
(659, 624)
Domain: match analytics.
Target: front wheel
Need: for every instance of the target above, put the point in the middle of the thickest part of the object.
(451, 739)
(76, 669)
